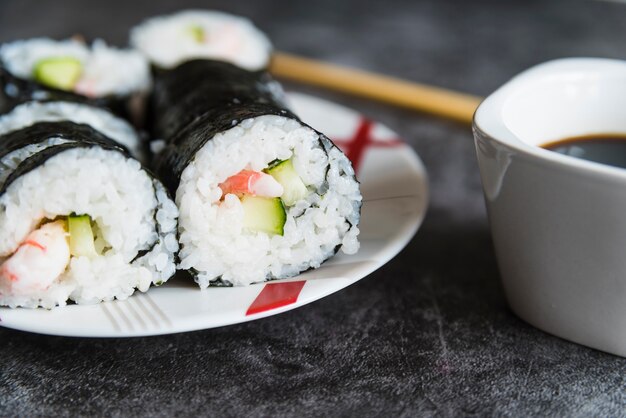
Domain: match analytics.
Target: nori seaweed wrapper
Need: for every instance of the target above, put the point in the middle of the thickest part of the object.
(197, 100)
(186, 93)
(15, 91)
(77, 135)
(42, 131)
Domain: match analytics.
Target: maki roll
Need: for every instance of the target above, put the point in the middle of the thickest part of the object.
(69, 70)
(261, 194)
(80, 218)
(168, 41)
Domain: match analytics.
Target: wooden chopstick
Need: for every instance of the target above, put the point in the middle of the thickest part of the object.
(434, 100)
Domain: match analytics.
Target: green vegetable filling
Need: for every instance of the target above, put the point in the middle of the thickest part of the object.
(294, 189)
(58, 72)
(196, 32)
(81, 236)
(264, 214)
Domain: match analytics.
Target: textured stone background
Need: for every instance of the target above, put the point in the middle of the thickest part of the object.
(429, 333)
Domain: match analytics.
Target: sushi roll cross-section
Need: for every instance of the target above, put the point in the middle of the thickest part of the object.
(168, 41)
(81, 219)
(43, 69)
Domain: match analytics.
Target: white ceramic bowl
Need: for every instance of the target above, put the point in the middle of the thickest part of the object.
(558, 222)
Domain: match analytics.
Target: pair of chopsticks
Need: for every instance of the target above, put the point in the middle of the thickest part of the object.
(433, 100)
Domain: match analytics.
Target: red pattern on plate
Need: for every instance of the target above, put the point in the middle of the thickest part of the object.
(363, 140)
(276, 295)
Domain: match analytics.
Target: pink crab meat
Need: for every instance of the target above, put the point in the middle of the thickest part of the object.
(86, 87)
(253, 183)
(38, 261)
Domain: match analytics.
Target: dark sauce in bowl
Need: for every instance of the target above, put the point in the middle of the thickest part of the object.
(607, 149)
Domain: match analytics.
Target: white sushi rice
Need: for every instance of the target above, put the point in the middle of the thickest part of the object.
(169, 40)
(213, 239)
(105, 70)
(121, 198)
(101, 120)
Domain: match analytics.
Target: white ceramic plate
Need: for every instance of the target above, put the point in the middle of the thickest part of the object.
(395, 194)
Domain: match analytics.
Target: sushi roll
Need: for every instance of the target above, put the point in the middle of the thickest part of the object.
(168, 41)
(261, 194)
(69, 70)
(80, 219)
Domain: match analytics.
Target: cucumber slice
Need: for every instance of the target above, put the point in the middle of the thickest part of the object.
(59, 72)
(196, 32)
(286, 175)
(263, 214)
(81, 236)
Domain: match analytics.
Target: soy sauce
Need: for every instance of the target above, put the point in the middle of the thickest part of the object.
(607, 149)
